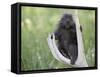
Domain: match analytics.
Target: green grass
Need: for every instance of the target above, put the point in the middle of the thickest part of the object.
(37, 23)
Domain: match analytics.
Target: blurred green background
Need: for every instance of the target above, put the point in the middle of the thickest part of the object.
(37, 23)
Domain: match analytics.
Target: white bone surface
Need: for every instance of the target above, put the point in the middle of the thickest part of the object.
(81, 60)
(55, 51)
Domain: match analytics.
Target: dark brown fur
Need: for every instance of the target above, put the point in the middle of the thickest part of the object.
(67, 38)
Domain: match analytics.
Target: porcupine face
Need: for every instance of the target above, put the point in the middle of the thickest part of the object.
(67, 38)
